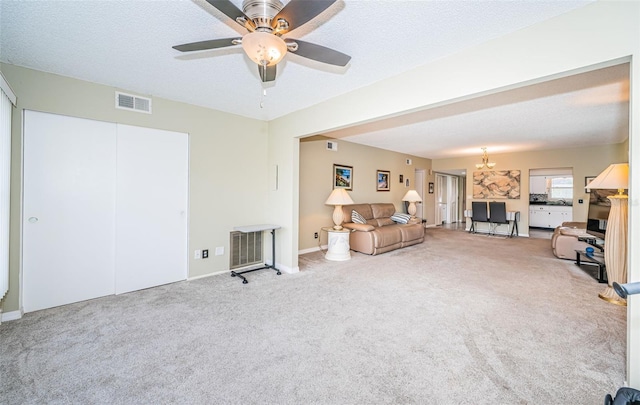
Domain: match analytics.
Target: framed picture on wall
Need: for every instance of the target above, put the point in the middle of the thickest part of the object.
(343, 177)
(382, 177)
(588, 180)
(401, 179)
(430, 188)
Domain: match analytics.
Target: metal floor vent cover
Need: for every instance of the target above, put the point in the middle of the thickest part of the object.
(133, 103)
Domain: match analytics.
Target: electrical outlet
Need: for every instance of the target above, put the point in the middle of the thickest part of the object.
(315, 235)
(205, 253)
(197, 255)
(219, 250)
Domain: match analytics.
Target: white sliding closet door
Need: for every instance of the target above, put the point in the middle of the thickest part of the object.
(151, 221)
(105, 209)
(69, 210)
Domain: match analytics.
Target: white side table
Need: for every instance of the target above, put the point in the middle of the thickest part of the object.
(338, 244)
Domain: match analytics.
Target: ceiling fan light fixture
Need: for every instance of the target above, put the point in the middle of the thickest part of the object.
(264, 48)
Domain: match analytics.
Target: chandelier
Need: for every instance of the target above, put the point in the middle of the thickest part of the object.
(485, 161)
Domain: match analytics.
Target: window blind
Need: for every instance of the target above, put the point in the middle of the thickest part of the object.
(7, 99)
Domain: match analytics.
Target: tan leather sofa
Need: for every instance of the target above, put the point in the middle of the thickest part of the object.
(380, 234)
(564, 240)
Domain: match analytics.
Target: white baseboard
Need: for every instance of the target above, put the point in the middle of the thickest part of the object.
(311, 250)
(287, 269)
(279, 266)
(208, 275)
(11, 316)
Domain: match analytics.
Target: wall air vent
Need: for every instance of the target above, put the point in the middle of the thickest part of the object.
(133, 103)
(246, 249)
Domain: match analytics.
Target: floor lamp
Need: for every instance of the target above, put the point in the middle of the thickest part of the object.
(615, 177)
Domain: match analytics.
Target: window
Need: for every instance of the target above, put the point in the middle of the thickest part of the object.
(560, 188)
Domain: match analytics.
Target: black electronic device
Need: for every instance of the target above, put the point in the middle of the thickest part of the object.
(599, 207)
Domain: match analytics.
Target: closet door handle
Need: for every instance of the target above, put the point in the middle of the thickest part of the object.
(33, 220)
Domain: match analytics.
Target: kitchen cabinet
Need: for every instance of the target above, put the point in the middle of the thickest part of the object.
(537, 185)
(549, 216)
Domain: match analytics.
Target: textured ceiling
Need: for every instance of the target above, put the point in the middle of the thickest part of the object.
(127, 44)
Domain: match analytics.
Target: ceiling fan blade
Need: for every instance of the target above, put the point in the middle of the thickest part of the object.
(321, 53)
(299, 12)
(202, 45)
(268, 73)
(230, 10)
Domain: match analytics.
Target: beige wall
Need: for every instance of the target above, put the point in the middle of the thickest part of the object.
(227, 171)
(583, 161)
(316, 182)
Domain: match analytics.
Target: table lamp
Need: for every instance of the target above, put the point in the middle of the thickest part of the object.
(615, 177)
(338, 198)
(413, 197)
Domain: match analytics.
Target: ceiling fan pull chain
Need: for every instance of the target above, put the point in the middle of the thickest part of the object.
(264, 95)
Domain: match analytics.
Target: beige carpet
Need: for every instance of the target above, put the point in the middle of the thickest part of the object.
(460, 319)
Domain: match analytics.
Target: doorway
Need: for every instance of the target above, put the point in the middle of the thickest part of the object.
(447, 199)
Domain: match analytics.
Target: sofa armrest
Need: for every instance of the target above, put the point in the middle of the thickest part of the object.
(579, 225)
(359, 227)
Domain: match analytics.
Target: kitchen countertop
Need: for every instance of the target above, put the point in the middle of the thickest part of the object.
(551, 204)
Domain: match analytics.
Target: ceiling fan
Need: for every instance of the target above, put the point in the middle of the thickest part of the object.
(267, 21)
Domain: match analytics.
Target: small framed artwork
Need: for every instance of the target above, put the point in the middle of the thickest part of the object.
(382, 177)
(588, 180)
(343, 177)
(406, 183)
(430, 188)
(401, 179)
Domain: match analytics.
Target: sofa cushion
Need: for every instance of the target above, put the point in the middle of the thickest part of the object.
(359, 227)
(382, 210)
(356, 218)
(362, 209)
(400, 218)
(384, 221)
(386, 236)
(411, 233)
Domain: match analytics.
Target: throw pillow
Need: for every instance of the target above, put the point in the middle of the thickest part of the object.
(356, 218)
(401, 218)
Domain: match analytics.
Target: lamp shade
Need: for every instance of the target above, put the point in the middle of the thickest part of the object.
(263, 48)
(339, 196)
(412, 196)
(614, 177)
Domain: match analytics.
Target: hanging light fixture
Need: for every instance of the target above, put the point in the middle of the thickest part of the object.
(485, 161)
(264, 48)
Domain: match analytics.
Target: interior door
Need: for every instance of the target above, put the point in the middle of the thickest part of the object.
(69, 210)
(453, 199)
(441, 198)
(151, 223)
